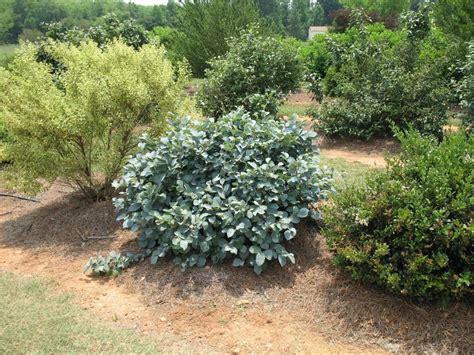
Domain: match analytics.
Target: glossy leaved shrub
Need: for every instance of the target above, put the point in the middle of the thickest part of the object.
(228, 188)
(382, 78)
(410, 228)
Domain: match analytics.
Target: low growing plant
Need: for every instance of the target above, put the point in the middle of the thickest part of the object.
(215, 189)
(111, 265)
(410, 228)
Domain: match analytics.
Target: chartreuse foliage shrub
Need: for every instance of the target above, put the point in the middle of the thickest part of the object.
(257, 73)
(80, 123)
(228, 188)
(410, 228)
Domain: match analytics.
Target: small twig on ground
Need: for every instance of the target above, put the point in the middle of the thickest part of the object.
(4, 214)
(20, 197)
(103, 237)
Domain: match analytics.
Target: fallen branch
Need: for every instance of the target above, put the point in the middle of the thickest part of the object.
(20, 197)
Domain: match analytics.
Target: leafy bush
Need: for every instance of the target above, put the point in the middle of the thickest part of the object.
(323, 53)
(108, 29)
(171, 39)
(376, 84)
(410, 229)
(111, 265)
(466, 89)
(259, 68)
(215, 189)
(82, 122)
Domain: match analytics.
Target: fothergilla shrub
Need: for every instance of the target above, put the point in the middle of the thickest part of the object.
(228, 188)
(410, 229)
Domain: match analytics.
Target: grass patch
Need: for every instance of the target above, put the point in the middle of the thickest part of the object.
(347, 173)
(290, 109)
(35, 320)
(195, 82)
(6, 53)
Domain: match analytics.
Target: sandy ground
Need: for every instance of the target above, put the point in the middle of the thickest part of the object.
(306, 308)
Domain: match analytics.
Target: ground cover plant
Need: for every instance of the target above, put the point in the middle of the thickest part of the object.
(215, 189)
(80, 123)
(410, 228)
(257, 72)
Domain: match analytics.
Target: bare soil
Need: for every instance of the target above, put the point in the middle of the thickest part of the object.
(370, 152)
(301, 97)
(306, 308)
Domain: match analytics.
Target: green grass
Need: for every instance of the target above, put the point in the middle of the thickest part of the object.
(35, 320)
(290, 109)
(6, 52)
(8, 49)
(347, 173)
(195, 82)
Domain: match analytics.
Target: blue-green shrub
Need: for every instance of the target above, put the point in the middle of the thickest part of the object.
(228, 188)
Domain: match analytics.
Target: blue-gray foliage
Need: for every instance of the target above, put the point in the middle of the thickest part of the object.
(228, 188)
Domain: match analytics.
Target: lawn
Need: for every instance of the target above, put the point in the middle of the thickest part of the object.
(7, 51)
(34, 319)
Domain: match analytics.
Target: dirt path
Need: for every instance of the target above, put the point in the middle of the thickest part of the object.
(370, 153)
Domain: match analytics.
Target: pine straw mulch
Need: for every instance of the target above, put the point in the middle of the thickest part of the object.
(312, 290)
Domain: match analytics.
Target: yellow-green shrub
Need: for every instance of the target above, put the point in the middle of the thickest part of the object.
(82, 121)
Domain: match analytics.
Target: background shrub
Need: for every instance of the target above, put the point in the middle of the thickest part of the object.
(381, 80)
(410, 229)
(234, 187)
(206, 25)
(255, 65)
(171, 39)
(80, 123)
(465, 88)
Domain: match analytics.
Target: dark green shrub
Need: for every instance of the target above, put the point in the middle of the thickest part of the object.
(211, 190)
(207, 24)
(410, 228)
(109, 29)
(466, 89)
(379, 83)
(262, 68)
(322, 55)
